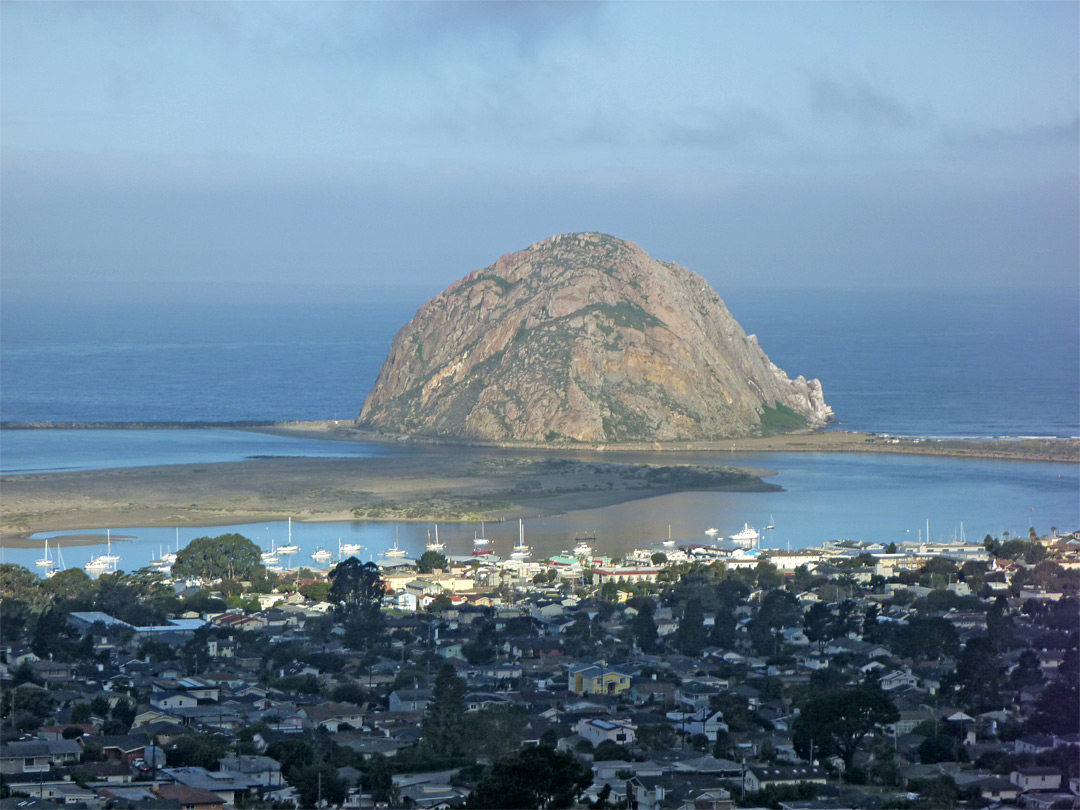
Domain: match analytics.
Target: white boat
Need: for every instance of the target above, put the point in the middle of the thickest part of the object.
(520, 551)
(747, 538)
(98, 564)
(348, 549)
(669, 543)
(46, 561)
(321, 555)
(481, 541)
(108, 556)
(56, 569)
(394, 551)
(435, 545)
(290, 547)
(583, 549)
(712, 532)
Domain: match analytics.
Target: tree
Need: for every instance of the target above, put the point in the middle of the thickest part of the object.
(537, 776)
(443, 730)
(430, 560)
(927, 639)
(691, 637)
(643, 626)
(227, 556)
(817, 622)
(356, 594)
(836, 723)
(978, 677)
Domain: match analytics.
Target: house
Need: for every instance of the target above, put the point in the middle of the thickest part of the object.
(30, 756)
(1033, 744)
(713, 799)
(597, 731)
(998, 789)
(173, 700)
(597, 680)
(644, 793)
(758, 777)
(332, 716)
(1036, 778)
(261, 770)
(413, 699)
(191, 798)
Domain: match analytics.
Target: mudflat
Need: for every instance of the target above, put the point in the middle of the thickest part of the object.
(431, 483)
(428, 480)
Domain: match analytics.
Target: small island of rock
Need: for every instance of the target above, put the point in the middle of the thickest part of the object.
(584, 338)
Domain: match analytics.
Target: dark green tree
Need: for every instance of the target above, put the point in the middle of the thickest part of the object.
(537, 776)
(443, 729)
(978, 678)
(643, 626)
(318, 783)
(817, 622)
(927, 639)
(430, 560)
(691, 637)
(835, 723)
(356, 594)
(227, 556)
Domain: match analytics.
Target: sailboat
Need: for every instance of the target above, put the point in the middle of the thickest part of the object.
(169, 557)
(290, 547)
(520, 551)
(56, 569)
(481, 541)
(46, 561)
(395, 551)
(435, 545)
(669, 542)
(106, 561)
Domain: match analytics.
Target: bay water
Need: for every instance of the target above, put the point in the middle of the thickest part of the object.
(957, 364)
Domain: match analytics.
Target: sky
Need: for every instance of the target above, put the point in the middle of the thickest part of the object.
(218, 148)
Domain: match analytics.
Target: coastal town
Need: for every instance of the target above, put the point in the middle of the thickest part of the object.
(682, 676)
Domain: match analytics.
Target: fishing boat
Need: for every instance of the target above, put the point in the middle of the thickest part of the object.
(583, 547)
(321, 555)
(290, 547)
(98, 564)
(520, 551)
(435, 545)
(747, 538)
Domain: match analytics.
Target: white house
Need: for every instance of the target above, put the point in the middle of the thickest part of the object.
(597, 731)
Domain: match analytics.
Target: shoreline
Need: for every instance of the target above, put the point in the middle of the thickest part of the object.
(1024, 448)
(1012, 448)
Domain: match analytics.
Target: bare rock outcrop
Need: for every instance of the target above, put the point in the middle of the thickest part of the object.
(584, 337)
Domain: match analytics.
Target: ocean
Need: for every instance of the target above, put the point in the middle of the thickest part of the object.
(924, 364)
(986, 364)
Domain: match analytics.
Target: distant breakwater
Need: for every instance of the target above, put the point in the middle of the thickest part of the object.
(13, 425)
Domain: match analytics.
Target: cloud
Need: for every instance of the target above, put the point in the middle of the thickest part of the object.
(735, 127)
(856, 100)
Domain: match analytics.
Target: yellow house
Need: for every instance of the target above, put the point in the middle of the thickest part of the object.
(597, 680)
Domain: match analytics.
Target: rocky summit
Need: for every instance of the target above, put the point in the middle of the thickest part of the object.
(584, 338)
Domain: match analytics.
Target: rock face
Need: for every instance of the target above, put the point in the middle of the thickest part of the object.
(584, 337)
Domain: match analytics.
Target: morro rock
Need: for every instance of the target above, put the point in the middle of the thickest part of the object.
(586, 338)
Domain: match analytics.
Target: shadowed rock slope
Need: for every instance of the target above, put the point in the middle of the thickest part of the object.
(584, 338)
